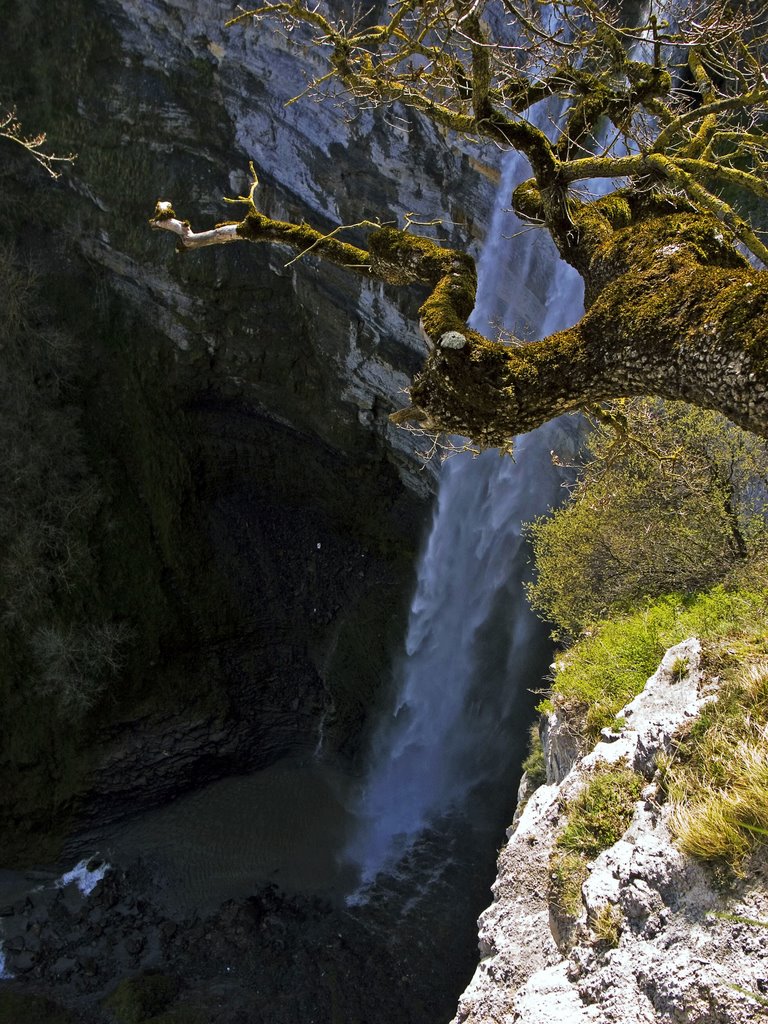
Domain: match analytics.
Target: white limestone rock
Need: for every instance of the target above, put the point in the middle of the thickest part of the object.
(562, 746)
(676, 960)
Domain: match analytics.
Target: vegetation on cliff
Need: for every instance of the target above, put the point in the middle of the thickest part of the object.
(718, 774)
(597, 818)
(605, 669)
(78, 612)
(668, 497)
(66, 654)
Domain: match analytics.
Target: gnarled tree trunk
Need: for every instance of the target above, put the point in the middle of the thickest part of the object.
(673, 310)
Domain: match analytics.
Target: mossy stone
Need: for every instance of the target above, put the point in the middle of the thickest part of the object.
(136, 1000)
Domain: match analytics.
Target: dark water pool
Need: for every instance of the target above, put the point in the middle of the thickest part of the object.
(284, 825)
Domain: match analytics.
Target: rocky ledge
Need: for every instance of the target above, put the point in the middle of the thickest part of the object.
(684, 948)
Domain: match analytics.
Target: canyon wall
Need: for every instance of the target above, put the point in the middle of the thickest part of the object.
(258, 516)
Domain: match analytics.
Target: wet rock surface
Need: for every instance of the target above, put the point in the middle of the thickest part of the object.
(270, 957)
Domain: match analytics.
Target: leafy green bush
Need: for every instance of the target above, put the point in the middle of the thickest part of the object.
(668, 499)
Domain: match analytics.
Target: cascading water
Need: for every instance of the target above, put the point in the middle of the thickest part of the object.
(472, 644)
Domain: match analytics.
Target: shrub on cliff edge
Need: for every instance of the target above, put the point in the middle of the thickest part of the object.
(668, 499)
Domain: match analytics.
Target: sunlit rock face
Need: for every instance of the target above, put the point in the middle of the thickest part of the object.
(261, 513)
(679, 948)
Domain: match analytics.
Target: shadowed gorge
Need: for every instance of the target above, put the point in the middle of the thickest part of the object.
(252, 537)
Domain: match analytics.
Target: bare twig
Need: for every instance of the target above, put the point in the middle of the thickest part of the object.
(11, 129)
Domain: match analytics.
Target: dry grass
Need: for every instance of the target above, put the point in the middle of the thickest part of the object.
(718, 778)
(607, 925)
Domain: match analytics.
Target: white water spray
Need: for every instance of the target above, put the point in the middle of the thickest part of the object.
(84, 877)
(5, 974)
(468, 648)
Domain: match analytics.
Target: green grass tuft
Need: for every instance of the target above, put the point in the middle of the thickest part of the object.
(679, 668)
(607, 669)
(607, 925)
(535, 765)
(567, 873)
(600, 815)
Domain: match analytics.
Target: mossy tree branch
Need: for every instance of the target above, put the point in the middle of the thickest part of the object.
(444, 60)
(673, 309)
(674, 312)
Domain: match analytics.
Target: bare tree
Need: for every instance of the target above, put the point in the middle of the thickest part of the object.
(675, 305)
(12, 131)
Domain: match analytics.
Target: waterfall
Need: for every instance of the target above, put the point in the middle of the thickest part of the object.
(5, 974)
(472, 643)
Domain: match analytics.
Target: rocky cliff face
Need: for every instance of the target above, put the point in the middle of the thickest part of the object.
(259, 515)
(670, 955)
(167, 101)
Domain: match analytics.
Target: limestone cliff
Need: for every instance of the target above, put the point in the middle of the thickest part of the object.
(671, 955)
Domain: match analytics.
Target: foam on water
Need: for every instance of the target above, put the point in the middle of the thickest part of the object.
(84, 878)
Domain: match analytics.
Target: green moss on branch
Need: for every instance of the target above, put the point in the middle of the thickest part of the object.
(256, 227)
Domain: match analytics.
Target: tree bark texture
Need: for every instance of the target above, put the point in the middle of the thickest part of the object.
(673, 310)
